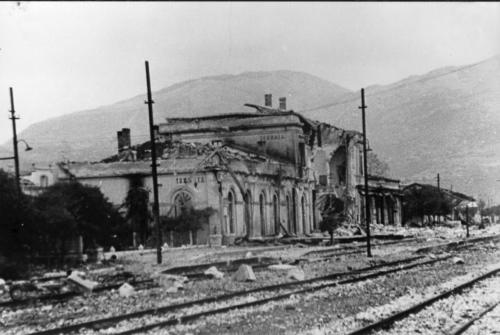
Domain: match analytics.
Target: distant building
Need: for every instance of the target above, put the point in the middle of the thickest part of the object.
(457, 200)
(385, 197)
(38, 179)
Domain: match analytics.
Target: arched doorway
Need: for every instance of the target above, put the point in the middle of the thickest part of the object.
(248, 213)
(289, 214)
(262, 214)
(276, 208)
(231, 213)
(304, 216)
(182, 203)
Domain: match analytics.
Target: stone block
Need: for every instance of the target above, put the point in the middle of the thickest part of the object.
(214, 273)
(126, 290)
(458, 260)
(296, 274)
(81, 283)
(244, 273)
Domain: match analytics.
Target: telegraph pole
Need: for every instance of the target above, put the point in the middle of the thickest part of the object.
(439, 188)
(467, 219)
(156, 207)
(13, 117)
(365, 168)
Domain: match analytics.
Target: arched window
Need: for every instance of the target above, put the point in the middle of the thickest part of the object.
(276, 209)
(304, 221)
(248, 212)
(288, 213)
(182, 203)
(231, 211)
(44, 181)
(262, 212)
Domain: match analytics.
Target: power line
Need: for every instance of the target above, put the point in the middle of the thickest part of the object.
(333, 104)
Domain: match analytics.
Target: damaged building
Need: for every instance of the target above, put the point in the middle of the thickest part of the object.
(265, 173)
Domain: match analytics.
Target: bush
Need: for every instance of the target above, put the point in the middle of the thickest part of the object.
(190, 220)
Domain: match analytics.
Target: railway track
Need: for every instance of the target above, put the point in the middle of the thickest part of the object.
(398, 323)
(346, 250)
(307, 286)
(172, 314)
(480, 315)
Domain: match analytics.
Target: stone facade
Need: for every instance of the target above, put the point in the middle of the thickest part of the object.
(264, 172)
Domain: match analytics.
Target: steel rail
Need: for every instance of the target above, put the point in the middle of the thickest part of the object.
(191, 317)
(461, 329)
(350, 247)
(106, 322)
(69, 295)
(388, 321)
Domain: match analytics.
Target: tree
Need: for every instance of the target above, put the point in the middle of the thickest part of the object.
(137, 204)
(190, 220)
(377, 167)
(333, 216)
(17, 218)
(81, 208)
(425, 200)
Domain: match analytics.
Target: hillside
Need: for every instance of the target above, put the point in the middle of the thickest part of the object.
(445, 121)
(91, 134)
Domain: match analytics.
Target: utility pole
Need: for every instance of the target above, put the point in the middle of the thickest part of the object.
(156, 207)
(13, 117)
(365, 168)
(467, 219)
(439, 191)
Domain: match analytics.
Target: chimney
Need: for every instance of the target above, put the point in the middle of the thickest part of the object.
(283, 103)
(126, 138)
(119, 137)
(268, 100)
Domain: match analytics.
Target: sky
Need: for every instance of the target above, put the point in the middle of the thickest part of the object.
(66, 57)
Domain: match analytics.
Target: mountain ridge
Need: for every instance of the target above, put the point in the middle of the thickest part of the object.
(443, 121)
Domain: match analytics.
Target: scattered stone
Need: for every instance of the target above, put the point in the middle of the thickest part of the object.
(171, 283)
(244, 273)
(80, 274)
(214, 273)
(365, 316)
(112, 249)
(81, 283)
(432, 256)
(141, 247)
(3, 286)
(458, 260)
(172, 289)
(54, 274)
(126, 290)
(296, 274)
(248, 254)
(281, 267)
(164, 246)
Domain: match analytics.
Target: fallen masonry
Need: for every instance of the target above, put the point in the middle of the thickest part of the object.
(244, 273)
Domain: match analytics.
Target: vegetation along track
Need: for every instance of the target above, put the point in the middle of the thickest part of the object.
(322, 282)
(387, 322)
